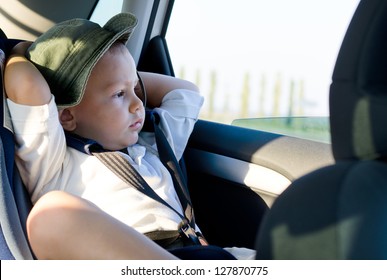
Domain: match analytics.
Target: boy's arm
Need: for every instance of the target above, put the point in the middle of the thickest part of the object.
(23, 82)
(157, 86)
(41, 145)
(179, 109)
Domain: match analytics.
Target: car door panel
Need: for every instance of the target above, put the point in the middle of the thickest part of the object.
(235, 174)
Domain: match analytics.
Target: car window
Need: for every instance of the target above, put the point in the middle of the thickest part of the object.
(106, 9)
(258, 59)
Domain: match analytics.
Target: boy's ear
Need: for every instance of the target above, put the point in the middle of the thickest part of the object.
(67, 119)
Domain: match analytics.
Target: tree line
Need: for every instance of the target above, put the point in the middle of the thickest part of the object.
(265, 98)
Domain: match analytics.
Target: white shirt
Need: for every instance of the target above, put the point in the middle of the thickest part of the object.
(46, 163)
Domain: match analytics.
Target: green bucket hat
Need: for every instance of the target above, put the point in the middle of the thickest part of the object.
(67, 53)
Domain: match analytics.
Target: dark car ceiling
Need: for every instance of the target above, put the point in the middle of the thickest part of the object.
(55, 11)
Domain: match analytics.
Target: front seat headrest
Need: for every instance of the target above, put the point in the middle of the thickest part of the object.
(358, 96)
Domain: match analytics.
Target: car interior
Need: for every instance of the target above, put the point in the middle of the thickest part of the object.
(286, 197)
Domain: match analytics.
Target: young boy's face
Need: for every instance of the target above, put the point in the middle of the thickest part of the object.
(110, 111)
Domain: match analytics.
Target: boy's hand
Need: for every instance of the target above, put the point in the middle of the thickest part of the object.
(157, 86)
(24, 84)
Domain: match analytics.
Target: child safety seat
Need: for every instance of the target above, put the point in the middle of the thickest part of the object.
(15, 203)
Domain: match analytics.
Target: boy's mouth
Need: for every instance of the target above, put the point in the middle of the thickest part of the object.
(137, 124)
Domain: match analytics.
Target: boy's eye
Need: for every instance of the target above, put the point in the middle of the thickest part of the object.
(119, 94)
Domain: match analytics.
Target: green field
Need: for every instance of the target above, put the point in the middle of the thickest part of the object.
(312, 128)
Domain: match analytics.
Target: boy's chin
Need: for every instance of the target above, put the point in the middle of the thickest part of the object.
(126, 141)
(121, 146)
(132, 141)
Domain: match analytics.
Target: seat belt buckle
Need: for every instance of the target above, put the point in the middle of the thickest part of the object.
(202, 240)
(188, 232)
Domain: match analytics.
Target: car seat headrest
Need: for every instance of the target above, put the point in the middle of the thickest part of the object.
(358, 94)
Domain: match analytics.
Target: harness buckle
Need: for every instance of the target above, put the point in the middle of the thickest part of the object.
(187, 231)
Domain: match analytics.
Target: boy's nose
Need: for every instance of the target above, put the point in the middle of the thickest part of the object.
(135, 104)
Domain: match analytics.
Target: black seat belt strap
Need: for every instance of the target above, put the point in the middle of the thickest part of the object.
(169, 160)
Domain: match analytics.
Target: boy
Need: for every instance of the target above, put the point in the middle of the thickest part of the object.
(90, 75)
(83, 80)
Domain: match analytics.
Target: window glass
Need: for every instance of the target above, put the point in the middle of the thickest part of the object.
(105, 10)
(256, 58)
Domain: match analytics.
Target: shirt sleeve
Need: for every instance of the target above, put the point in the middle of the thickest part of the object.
(41, 144)
(179, 112)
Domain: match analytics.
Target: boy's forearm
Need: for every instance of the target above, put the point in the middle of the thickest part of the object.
(157, 86)
(23, 82)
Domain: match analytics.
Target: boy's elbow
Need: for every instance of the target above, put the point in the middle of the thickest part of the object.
(24, 84)
(192, 86)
